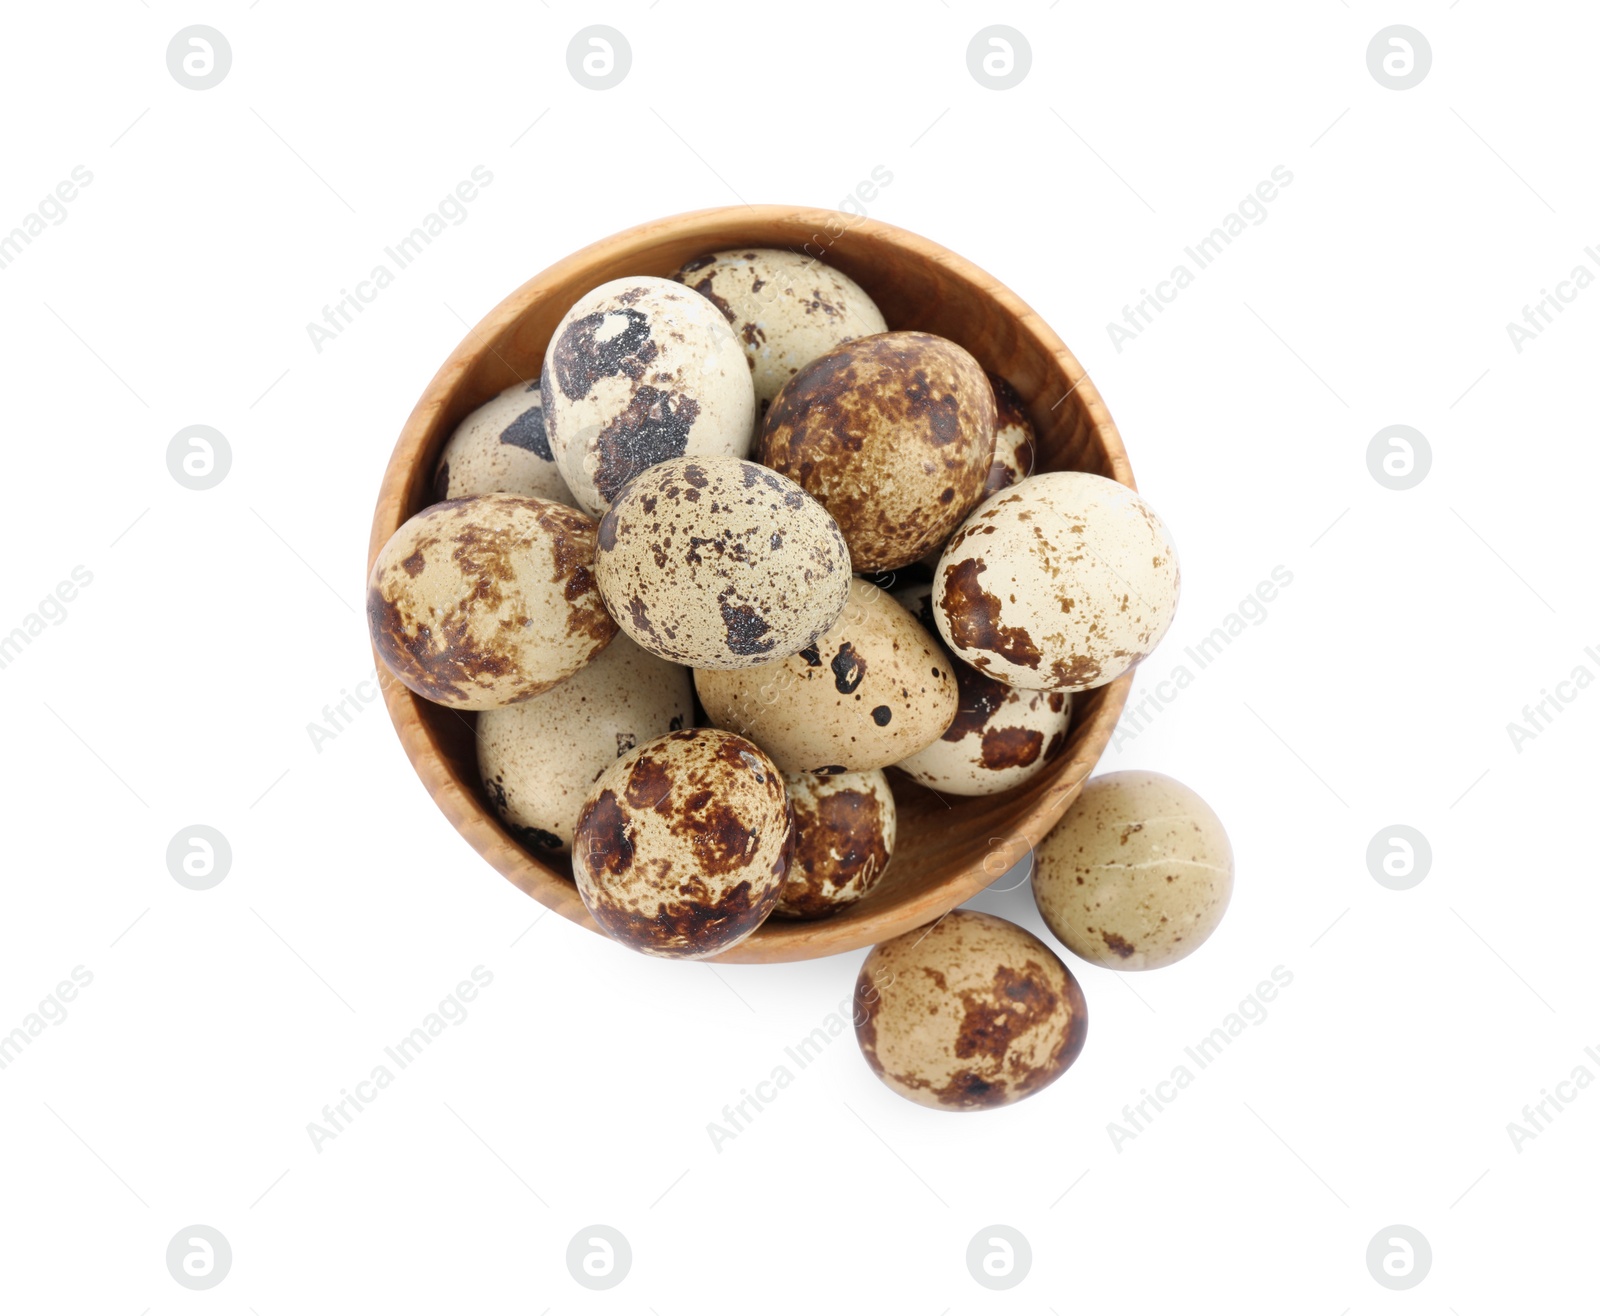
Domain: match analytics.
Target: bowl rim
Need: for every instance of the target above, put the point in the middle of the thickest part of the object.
(776, 940)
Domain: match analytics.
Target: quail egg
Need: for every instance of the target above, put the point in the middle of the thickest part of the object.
(1000, 737)
(1062, 582)
(871, 690)
(539, 758)
(844, 837)
(482, 602)
(639, 371)
(1015, 451)
(1015, 447)
(502, 448)
(893, 434)
(682, 847)
(969, 1013)
(787, 309)
(1137, 874)
(721, 563)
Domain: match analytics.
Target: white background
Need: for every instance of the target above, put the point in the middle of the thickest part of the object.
(180, 685)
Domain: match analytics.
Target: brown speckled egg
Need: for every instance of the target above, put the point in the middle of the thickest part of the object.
(969, 1013)
(844, 837)
(716, 562)
(539, 758)
(501, 448)
(871, 690)
(639, 371)
(893, 434)
(786, 309)
(683, 844)
(1000, 736)
(482, 602)
(1062, 582)
(1137, 875)
(1016, 451)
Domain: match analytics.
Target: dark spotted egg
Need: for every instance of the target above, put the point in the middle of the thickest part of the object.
(787, 309)
(1016, 451)
(1000, 737)
(502, 448)
(1062, 582)
(683, 843)
(720, 563)
(844, 837)
(639, 371)
(968, 1014)
(871, 690)
(893, 434)
(482, 602)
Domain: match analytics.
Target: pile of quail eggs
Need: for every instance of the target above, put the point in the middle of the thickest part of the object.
(650, 572)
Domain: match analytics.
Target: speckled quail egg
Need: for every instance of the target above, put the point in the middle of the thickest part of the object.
(970, 1013)
(638, 371)
(786, 309)
(1000, 736)
(1015, 448)
(844, 837)
(871, 690)
(683, 844)
(893, 434)
(720, 563)
(539, 758)
(502, 448)
(1062, 582)
(482, 602)
(1015, 451)
(1137, 874)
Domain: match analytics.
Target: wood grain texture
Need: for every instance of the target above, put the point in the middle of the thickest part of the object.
(948, 849)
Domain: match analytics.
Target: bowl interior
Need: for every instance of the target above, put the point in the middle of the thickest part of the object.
(949, 847)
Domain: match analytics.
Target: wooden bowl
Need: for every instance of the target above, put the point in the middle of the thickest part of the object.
(949, 848)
